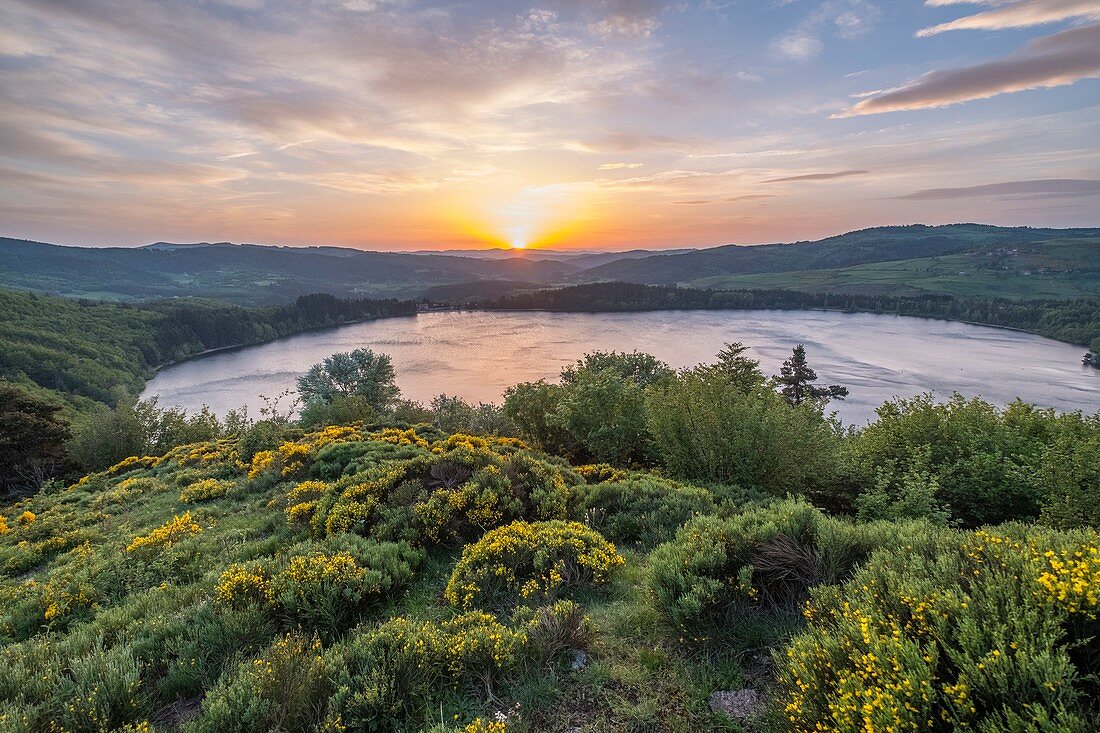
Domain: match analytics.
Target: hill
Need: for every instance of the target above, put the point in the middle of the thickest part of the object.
(966, 260)
(787, 263)
(384, 579)
(85, 352)
(247, 274)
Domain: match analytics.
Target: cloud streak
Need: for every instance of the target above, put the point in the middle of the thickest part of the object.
(1044, 187)
(1052, 61)
(1023, 14)
(818, 176)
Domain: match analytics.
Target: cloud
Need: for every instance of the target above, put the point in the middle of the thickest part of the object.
(818, 176)
(1022, 14)
(1044, 187)
(692, 203)
(847, 19)
(799, 45)
(1051, 61)
(618, 166)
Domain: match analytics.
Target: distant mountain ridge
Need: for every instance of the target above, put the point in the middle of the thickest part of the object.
(252, 274)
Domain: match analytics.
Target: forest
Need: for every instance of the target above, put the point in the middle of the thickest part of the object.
(629, 547)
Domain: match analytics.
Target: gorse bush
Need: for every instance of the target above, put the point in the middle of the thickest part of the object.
(992, 631)
(323, 587)
(530, 561)
(285, 688)
(641, 510)
(722, 569)
(393, 672)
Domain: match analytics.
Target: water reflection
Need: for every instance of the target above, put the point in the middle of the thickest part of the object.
(477, 355)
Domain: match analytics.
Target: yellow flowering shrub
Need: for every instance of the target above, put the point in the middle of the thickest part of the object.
(486, 726)
(178, 528)
(326, 587)
(530, 560)
(982, 631)
(396, 436)
(595, 473)
(4, 529)
(283, 689)
(495, 443)
(204, 490)
(27, 518)
(244, 586)
(292, 457)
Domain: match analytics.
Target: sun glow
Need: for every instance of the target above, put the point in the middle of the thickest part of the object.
(532, 217)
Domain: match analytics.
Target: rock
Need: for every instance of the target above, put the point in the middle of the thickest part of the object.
(580, 660)
(736, 704)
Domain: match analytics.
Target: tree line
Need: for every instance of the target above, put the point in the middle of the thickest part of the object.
(1073, 321)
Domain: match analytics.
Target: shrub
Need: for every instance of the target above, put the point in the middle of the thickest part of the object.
(988, 465)
(324, 587)
(530, 560)
(767, 559)
(176, 529)
(99, 691)
(394, 671)
(204, 490)
(286, 688)
(553, 630)
(707, 428)
(992, 631)
(642, 510)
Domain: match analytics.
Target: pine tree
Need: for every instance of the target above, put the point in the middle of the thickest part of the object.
(795, 381)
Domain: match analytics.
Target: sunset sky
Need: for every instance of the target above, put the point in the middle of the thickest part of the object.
(393, 124)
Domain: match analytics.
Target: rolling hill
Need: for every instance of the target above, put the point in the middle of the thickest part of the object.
(859, 248)
(962, 260)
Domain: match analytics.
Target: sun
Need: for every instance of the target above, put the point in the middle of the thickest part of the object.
(518, 244)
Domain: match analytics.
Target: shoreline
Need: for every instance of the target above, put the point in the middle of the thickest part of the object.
(236, 347)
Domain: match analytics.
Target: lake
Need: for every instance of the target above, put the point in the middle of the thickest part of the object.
(476, 355)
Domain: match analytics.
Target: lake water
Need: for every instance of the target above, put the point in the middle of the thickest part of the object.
(476, 355)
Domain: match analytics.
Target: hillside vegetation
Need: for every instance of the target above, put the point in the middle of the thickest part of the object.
(1075, 248)
(382, 576)
(87, 352)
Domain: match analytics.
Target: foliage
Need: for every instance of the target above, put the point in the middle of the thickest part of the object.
(979, 463)
(641, 509)
(360, 373)
(992, 630)
(596, 413)
(32, 439)
(530, 561)
(454, 415)
(718, 570)
(285, 688)
(707, 427)
(795, 381)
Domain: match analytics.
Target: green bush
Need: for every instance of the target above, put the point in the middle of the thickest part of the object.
(988, 631)
(722, 569)
(323, 587)
(642, 510)
(530, 560)
(399, 672)
(285, 689)
(447, 497)
(707, 427)
(986, 465)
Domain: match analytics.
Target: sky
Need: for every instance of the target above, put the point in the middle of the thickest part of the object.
(596, 124)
